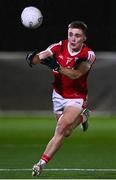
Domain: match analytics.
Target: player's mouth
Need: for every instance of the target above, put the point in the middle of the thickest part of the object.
(73, 44)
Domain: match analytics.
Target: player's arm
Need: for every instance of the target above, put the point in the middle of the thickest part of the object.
(77, 72)
(36, 58)
(44, 57)
(39, 57)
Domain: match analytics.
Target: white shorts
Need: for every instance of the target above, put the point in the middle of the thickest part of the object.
(59, 103)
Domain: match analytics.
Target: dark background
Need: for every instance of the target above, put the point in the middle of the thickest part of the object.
(100, 16)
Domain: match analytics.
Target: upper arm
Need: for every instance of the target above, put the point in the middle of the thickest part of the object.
(50, 51)
(44, 54)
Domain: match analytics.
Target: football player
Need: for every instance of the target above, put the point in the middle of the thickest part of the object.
(71, 61)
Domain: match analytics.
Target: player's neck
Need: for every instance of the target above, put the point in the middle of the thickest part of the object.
(76, 50)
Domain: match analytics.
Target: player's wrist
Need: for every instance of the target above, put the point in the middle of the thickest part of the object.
(36, 59)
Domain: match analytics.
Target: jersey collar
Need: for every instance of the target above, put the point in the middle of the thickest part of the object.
(74, 53)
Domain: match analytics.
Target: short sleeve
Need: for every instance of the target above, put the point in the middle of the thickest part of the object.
(91, 57)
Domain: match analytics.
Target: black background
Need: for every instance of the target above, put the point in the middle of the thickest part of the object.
(100, 16)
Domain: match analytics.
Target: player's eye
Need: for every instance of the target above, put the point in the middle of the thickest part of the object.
(77, 35)
(70, 34)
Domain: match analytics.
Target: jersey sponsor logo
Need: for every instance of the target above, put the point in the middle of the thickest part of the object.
(61, 56)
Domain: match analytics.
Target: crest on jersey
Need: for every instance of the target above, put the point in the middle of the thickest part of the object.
(76, 60)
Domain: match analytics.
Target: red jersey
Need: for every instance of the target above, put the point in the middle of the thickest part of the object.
(66, 87)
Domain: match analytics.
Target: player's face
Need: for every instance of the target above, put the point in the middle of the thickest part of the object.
(76, 38)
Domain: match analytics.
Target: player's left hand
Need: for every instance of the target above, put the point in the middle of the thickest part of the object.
(30, 56)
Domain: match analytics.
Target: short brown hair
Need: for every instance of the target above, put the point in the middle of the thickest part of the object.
(78, 25)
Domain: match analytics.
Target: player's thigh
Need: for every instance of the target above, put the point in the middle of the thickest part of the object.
(69, 116)
(66, 120)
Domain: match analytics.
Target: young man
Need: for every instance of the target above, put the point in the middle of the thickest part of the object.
(71, 64)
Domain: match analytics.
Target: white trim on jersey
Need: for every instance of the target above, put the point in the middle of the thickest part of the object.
(52, 45)
(48, 49)
(74, 53)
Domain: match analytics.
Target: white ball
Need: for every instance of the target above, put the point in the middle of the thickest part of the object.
(31, 17)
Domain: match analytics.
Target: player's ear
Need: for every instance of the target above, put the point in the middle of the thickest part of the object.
(85, 38)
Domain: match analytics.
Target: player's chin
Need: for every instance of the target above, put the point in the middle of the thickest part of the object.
(74, 48)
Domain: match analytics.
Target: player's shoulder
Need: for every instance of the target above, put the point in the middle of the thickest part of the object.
(57, 47)
(88, 51)
(86, 48)
(64, 44)
(57, 44)
(89, 54)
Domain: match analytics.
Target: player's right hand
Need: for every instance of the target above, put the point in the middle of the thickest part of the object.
(30, 56)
